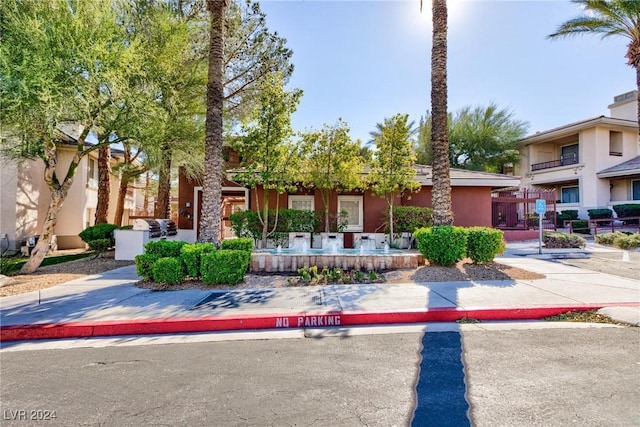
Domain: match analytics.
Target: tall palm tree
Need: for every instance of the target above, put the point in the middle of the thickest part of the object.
(441, 191)
(212, 182)
(609, 18)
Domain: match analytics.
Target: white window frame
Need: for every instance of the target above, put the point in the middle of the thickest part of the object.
(301, 198)
(360, 199)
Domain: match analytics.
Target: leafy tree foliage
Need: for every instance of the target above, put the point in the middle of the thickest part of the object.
(331, 161)
(391, 170)
(268, 157)
(480, 138)
(78, 61)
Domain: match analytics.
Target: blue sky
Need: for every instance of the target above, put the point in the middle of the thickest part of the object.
(367, 60)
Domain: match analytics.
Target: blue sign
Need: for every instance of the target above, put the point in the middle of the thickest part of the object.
(541, 206)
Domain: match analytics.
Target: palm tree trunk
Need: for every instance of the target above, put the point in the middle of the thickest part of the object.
(637, 67)
(104, 184)
(441, 192)
(212, 182)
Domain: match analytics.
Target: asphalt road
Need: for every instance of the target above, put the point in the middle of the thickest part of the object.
(537, 377)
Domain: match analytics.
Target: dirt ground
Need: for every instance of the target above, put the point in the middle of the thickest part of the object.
(45, 277)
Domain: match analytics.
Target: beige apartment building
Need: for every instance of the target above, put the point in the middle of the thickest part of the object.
(24, 197)
(594, 163)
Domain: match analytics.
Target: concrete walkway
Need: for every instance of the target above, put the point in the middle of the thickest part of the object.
(110, 303)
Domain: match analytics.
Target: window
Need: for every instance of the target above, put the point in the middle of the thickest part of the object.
(569, 155)
(301, 203)
(570, 195)
(92, 174)
(352, 205)
(635, 190)
(615, 143)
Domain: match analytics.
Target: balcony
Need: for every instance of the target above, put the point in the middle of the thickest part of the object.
(562, 161)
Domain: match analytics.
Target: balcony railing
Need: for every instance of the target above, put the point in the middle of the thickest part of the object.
(562, 161)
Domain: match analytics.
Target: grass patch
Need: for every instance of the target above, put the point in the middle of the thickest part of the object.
(9, 266)
(468, 320)
(590, 316)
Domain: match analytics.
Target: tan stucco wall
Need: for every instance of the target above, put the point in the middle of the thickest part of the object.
(8, 184)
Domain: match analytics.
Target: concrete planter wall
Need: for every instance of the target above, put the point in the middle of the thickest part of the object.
(271, 262)
(332, 241)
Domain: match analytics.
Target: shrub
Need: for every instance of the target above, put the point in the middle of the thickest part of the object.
(566, 215)
(407, 219)
(628, 242)
(246, 224)
(609, 238)
(190, 254)
(627, 210)
(99, 231)
(165, 248)
(600, 214)
(443, 245)
(224, 266)
(556, 240)
(484, 243)
(99, 245)
(581, 227)
(533, 220)
(144, 265)
(168, 270)
(241, 244)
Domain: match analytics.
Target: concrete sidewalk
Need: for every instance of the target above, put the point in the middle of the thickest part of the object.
(111, 304)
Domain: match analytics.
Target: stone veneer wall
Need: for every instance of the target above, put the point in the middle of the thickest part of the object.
(269, 262)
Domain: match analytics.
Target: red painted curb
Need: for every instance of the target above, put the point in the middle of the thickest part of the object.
(276, 321)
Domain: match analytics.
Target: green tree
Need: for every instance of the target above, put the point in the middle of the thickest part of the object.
(423, 141)
(331, 161)
(609, 18)
(441, 191)
(480, 138)
(268, 158)
(392, 171)
(78, 56)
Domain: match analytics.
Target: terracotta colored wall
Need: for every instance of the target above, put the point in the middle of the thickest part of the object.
(185, 194)
(471, 205)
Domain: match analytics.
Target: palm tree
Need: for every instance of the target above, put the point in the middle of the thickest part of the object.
(609, 18)
(212, 182)
(441, 191)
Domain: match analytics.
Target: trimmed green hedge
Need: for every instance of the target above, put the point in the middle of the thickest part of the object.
(600, 214)
(144, 265)
(191, 253)
(581, 227)
(626, 210)
(566, 215)
(224, 266)
(165, 248)
(168, 270)
(240, 244)
(442, 245)
(484, 243)
(99, 231)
